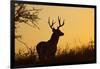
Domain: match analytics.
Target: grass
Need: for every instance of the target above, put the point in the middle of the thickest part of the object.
(84, 54)
(78, 55)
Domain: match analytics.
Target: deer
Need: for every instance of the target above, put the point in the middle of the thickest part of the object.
(46, 50)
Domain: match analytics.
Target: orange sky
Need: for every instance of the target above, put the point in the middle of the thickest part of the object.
(78, 28)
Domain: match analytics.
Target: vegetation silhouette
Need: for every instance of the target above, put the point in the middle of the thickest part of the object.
(28, 16)
(84, 54)
(25, 15)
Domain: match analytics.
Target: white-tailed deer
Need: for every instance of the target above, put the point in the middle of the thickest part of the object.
(47, 50)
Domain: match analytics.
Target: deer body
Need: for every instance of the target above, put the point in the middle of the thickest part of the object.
(47, 50)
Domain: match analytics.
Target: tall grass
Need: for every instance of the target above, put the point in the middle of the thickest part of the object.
(78, 55)
(25, 59)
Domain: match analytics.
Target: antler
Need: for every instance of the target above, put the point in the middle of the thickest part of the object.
(51, 26)
(59, 20)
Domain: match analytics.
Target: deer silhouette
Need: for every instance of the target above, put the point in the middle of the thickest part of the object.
(47, 50)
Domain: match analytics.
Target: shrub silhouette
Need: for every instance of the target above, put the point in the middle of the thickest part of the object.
(84, 54)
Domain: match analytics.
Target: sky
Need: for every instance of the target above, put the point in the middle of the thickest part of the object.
(78, 28)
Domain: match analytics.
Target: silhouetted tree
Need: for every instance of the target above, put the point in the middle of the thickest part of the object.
(25, 15)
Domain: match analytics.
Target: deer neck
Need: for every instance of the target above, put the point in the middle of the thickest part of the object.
(54, 39)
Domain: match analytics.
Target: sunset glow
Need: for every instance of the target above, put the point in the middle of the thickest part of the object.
(78, 28)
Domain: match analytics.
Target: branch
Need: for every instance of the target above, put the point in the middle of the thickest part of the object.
(23, 43)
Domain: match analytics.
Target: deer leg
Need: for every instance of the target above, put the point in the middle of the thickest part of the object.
(42, 58)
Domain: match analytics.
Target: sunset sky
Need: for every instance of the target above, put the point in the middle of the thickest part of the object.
(78, 28)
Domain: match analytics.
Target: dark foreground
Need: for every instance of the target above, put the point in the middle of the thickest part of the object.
(84, 55)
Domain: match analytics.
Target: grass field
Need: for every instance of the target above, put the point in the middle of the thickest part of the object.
(77, 55)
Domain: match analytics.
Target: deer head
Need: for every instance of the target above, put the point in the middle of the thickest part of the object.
(57, 31)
